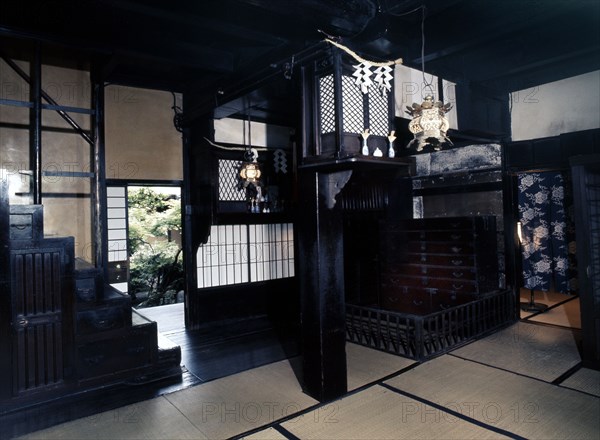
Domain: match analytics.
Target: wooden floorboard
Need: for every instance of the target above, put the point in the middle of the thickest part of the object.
(216, 359)
(169, 317)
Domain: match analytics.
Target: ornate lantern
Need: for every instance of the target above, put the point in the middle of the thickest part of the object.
(249, 170)
(429, 125)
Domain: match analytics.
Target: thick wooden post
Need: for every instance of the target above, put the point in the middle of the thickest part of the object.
(5, 292)
(321, 270)
(199, 195)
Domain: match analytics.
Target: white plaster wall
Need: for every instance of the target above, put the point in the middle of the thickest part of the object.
(141, 140)
(410, 86)
(564, 106)
(236, 131)
(61, 151)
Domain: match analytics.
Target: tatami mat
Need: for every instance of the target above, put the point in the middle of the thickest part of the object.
(151, 419)
(567, 314)
(527, 349)
(378, 413)
(527, 407)
(242, 402)
(489, 402)
(585, 380)
(366, 365)
(549, 298)
(218, 409)
(266, 434)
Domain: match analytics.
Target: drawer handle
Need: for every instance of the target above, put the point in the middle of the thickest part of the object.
(423, 270)
(455, 236)
(456, 249)
(423, 246)
(457, 262)
(94, 360)
(457, 274)
(417, 303)
(22, 322)
(20, 227)
(458, 287)
(423, 258)
(105, 324)
(425, 281)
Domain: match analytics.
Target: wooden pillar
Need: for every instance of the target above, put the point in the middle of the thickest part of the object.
(35, 144)
(321, 277)
(5, 304)
(199, 198)
(586, 197)
(98, 160)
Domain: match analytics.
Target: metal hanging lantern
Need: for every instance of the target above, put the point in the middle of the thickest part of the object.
(249, 169)
(429, 125)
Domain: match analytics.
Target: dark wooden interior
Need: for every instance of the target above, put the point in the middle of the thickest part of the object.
(65, 331)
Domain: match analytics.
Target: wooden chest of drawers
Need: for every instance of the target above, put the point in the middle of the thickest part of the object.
(436, 263)
(26, 222)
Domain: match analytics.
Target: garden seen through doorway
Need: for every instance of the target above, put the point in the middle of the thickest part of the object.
(154, 240)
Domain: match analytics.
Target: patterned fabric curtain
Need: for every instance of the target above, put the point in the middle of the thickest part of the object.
(545, 235)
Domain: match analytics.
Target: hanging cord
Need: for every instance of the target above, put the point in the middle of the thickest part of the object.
(426, 84)
(357, 57)
(248, 154)
(402, 14)
(178, 116)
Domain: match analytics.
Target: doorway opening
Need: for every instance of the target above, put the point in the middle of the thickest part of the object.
(145, 257)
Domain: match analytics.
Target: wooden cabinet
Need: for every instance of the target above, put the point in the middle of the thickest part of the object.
(39, 300)
(436, 263)
(41, 314)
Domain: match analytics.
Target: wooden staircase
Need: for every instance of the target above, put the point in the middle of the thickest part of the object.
(112, 340)
(66, 330)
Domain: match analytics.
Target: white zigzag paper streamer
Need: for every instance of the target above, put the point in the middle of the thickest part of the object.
(280, 161)
(383, 79)
(362, 73)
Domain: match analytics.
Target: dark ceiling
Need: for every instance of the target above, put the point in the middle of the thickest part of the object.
(503, 45)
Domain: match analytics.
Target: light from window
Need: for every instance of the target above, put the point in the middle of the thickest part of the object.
(238, 254)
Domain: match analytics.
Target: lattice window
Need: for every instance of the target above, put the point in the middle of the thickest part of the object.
(355, 105)
(228, 181)
(326, 104)
(378, 113)
(352, 106)
(238, 254)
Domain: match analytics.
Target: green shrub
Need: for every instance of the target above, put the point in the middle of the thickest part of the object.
(155, 263)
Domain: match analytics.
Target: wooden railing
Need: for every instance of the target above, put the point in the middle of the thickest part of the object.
(421, 337)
